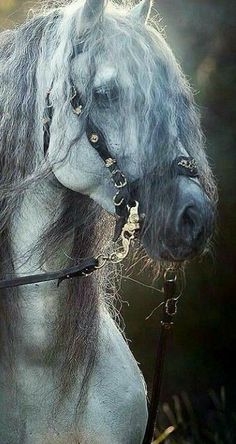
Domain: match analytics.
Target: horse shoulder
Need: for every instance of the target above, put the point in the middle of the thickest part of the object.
(117, 409)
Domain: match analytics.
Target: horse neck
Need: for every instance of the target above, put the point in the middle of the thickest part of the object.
(28, 225)
(38, 305)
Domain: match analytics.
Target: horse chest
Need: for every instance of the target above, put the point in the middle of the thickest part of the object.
(38, 314)
(115, 401)
(116, 396)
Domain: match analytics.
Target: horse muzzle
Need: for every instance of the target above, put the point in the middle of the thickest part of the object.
(183, 229)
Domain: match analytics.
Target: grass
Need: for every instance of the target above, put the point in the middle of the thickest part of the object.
(209, 421)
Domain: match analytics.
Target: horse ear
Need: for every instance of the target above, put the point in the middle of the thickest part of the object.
(141, 12)
(92, 12)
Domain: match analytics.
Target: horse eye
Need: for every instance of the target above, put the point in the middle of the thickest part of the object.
(105, 96)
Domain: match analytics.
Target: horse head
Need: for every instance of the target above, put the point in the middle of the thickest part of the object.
(135, 93)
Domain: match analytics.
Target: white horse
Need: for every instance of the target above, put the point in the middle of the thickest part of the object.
(66, 373)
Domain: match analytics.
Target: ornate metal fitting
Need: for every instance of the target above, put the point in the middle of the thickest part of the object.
(132, 223)
(94, 138)
(46, 120)
(171, 307)
(170, 275)
(85, 274)
(122, 179)
(109, 162)
(188, 164)
(127, 235)
(78, 110)
(102, 259)
(116, 202)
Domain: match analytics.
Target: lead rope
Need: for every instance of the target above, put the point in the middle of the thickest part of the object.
(88, 265)
(167, 323)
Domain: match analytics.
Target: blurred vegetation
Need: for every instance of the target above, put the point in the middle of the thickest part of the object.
(184, 422)
(202, 36)
(13, 12)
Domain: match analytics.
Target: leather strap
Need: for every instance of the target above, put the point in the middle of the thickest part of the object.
(169, 311)
(122, 197)
(84, 268)
(47, 118)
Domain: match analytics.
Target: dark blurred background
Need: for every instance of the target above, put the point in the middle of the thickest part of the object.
(202, 35)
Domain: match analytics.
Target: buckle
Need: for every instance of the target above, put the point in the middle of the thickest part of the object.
(119, 179)
(116, 202)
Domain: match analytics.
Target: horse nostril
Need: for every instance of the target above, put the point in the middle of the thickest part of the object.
(191, 225)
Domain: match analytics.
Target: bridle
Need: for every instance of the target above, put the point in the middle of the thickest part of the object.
(127, 228)
(125, 202)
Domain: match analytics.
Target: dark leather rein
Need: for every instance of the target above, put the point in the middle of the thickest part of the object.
(126, 229)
